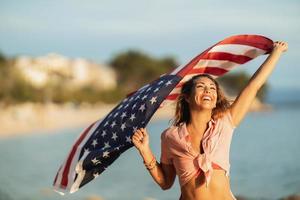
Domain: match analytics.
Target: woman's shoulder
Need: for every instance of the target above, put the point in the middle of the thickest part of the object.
(169, 132)
(226, 117)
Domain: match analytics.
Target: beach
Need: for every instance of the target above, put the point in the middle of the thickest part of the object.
(28, 118)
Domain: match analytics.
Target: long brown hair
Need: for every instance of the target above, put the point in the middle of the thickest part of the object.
(182, 111)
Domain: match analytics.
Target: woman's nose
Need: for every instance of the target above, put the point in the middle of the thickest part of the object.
(206, 90)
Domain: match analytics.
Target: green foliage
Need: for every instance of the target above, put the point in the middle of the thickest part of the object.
(15, 89)
(234, 83)
(135, 69)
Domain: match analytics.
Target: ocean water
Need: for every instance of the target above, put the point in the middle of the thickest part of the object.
(265, 163)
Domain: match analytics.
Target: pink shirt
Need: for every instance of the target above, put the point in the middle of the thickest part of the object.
(176, 149)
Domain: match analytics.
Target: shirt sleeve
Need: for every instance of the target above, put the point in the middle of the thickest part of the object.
(165, 157)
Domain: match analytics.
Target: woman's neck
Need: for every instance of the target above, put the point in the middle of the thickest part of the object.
(199, 120)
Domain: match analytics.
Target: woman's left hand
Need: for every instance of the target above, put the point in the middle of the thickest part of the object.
(280, 46)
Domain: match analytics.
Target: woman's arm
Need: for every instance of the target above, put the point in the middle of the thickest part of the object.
(163, 175)
(243, 101)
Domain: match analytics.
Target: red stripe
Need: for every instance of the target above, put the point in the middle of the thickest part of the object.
(191, 64)
(206, 70)
(250, 40)
(217, 71)
(172, 96)
(257, 41)
(64, 181)
(240, 59)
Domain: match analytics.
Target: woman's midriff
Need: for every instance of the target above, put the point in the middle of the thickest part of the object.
(218, 187)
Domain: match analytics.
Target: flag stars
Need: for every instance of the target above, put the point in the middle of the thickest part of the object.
(120, 106)
(126, 106)
(123, 115)
(168, 83)
(116, 114)
(128, 139)
(156, 89)
(144, 97)
(131, 98)
(94, 143)
(160, 82)
(153, 100)
(103, 133)
(95, 161)
(137, 97)
(148, 89)
(106, 145)
(135, 129)
(114, 137)
(132, 117)
(113, 124)
(142, 107)
(96, 175)
(123, 126)
(134, 105)
(105, 154)
(106, 123)
(86, 151)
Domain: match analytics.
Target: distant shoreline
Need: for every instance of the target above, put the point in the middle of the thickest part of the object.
(28, 118)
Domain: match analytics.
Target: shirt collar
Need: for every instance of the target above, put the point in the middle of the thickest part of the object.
(183, 132)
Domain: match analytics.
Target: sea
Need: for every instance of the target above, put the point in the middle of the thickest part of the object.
(264, 158)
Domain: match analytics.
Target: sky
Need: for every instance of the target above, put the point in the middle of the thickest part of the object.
(98, 29)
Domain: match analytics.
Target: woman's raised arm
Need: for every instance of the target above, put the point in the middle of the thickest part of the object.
(164, 175)
(242, 103)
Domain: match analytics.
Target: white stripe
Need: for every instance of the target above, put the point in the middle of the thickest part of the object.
(187, 77)
(175, 90)
(238, 49)
(72, 173)
(175, 71)
(224, 64)
(57, 185)
(59, 176)
(168, 102)
(59, 190)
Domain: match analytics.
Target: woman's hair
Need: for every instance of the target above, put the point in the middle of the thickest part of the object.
(182, 112)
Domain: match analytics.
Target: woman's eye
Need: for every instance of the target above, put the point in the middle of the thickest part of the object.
(213, 88)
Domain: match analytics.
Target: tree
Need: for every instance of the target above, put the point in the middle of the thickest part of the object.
(135, 69)
(233, 83)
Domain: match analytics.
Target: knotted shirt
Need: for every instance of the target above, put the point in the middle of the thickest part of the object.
(176, 149)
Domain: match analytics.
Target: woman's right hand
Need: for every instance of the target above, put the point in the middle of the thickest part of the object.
(140, 139)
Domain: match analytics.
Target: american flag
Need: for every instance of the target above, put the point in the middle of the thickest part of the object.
(100, 144)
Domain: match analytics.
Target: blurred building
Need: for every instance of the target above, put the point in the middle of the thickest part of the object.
(73, 73)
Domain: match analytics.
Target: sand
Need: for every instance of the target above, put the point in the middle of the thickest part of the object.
(28, 118)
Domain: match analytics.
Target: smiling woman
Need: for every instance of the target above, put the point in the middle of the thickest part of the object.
(210, 87)
(197, 146)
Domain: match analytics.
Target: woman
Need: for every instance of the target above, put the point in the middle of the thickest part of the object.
(196, 147)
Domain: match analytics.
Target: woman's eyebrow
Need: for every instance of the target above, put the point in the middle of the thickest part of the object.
(204, 83)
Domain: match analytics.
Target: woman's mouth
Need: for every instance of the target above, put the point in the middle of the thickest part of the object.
(206, 98)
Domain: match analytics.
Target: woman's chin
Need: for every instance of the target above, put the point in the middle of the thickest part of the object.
(205, 107)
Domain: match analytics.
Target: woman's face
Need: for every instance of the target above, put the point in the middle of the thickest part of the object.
(204, 94)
